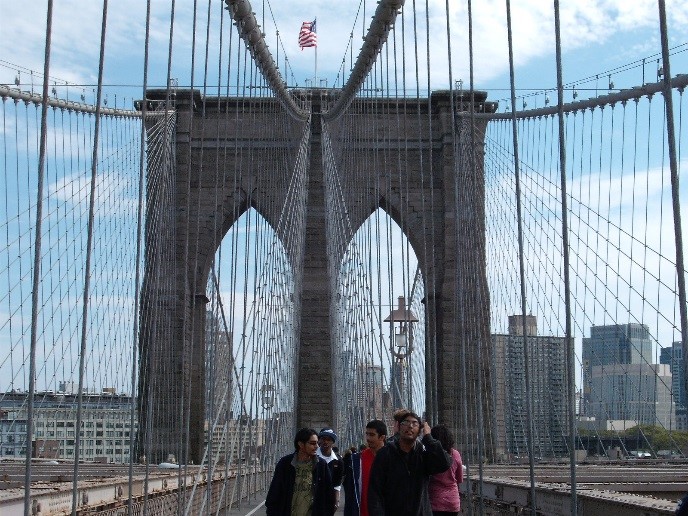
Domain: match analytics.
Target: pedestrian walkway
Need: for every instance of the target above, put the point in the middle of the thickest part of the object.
(256, 507)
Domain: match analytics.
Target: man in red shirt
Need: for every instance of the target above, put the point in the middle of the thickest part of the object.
(357, 469)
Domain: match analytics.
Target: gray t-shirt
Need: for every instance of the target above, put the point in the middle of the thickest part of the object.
(302, 501)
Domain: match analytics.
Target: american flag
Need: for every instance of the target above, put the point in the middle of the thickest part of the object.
(307, 35)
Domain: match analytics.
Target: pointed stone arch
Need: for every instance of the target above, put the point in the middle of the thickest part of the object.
(452, 257)
(223, 166)
(383, 271)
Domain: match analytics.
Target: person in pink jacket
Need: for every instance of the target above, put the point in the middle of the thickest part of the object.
(444, 487)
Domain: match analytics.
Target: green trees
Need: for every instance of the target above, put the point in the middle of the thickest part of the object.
(651, 438)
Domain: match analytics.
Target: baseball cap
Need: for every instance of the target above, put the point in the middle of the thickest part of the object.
(328, 432)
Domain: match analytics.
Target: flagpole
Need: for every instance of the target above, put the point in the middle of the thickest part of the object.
(315, 79)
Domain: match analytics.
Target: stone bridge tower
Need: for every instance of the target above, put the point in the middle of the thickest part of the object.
(441, 210)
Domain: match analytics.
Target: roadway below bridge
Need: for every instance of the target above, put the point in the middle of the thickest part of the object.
(628, 488)
(104, 489)
(640, 488)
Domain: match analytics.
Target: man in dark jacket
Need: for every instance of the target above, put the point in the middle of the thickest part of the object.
(401, 470)
(302, 484)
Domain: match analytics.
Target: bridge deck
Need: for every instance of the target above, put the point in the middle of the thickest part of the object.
(612, 488)
(100, 487)
(628, 488)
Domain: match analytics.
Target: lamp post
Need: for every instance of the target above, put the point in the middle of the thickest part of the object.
(267, 401)
(267, 396)
(401, 346)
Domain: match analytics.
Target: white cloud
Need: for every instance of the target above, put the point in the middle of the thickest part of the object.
(628, 29)
(76, 39)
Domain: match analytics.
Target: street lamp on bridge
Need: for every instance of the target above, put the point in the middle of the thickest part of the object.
(267, 401)
(401, 346)
(267, 392)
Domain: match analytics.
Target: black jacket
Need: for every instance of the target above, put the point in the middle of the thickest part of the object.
(399, 481)
(336, 466)
(278, 500)
(336, 469)
(352, 479)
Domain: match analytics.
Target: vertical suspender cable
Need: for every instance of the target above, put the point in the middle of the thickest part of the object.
(188, 296)
(208, 375)
(517, 180)
(432, 345)
(430, 393)
(464, 379)
(217, 305)
(452, 117)
(228, 331)
(191, 452)
(481, 415)
(139, 245)
(570, 352)
(673, 165)
(87, 267)
(166, 158)
(37, 260)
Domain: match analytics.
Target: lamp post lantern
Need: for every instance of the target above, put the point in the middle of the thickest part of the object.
(267, 401)
(267, 397)
(401, 346)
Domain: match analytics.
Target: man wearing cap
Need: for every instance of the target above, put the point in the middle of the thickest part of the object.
(302, 483)
(326, 439)
(401, 471)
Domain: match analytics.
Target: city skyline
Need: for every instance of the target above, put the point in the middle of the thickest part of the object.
(228, 254)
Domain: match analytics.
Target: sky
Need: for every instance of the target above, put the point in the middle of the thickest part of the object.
(597, 36)
(602, 41)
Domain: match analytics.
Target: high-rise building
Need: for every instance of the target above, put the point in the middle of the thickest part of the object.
(219, 367)
(609, 345)
(673, 357)
(106, 423)
(369, 393)
(237, 440)
(399, 384)
(620, 382)
(364, 397)
(635, 392)
(547, 374)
